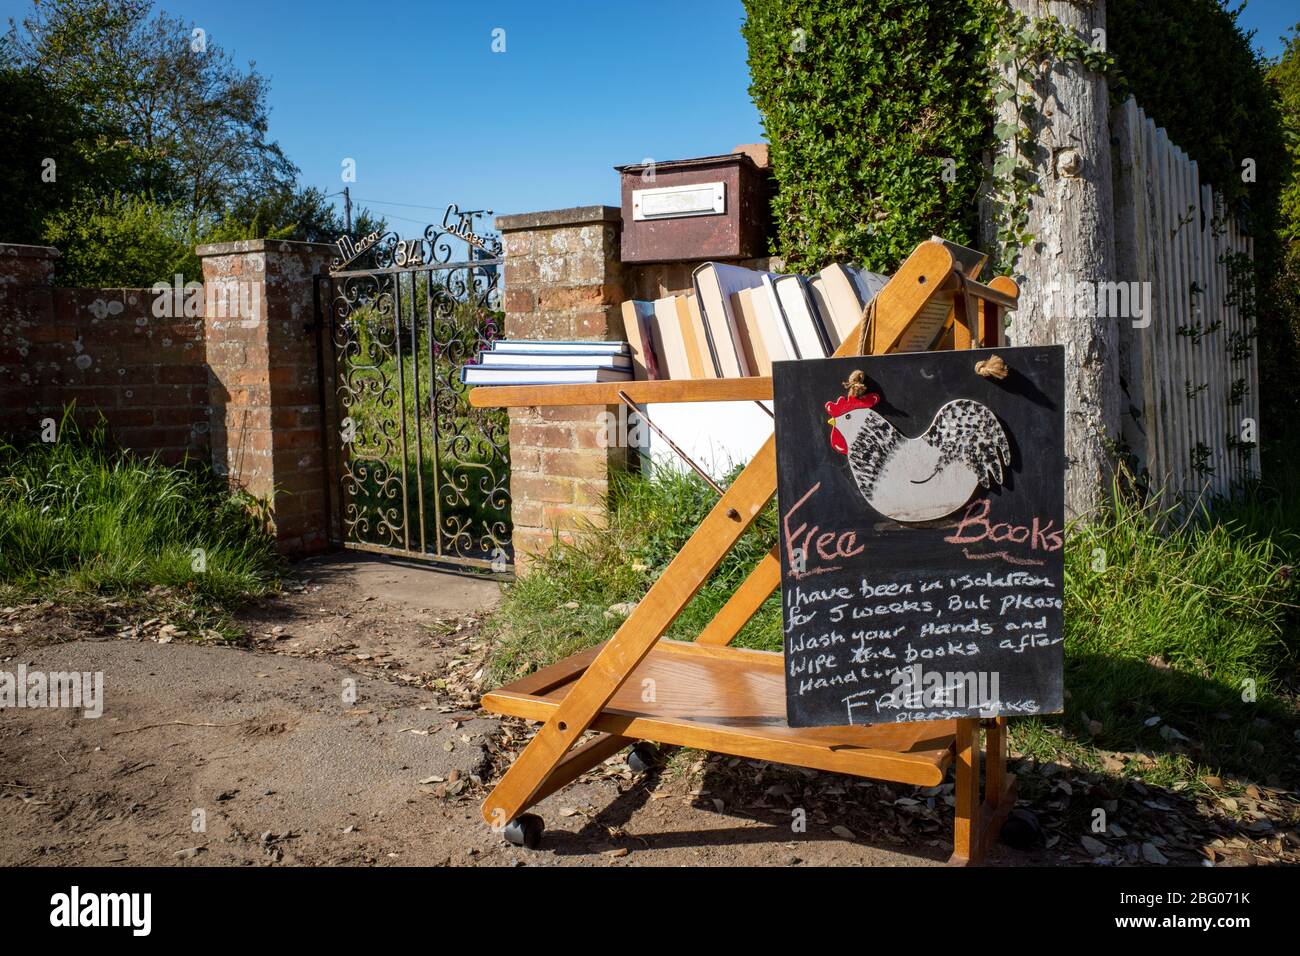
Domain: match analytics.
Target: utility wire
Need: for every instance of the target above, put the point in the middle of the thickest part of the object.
(389, 215)
(409, 205)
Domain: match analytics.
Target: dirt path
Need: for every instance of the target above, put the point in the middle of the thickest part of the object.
(261, 745)
(347, 732)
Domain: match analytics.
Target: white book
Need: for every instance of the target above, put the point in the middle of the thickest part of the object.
(777, 314)
(843, 302)
(797, 315)
(499, 357)
(715, 284)
(535, 345)
(668, 333)
(751, 337)
(768, 326)
(821, 312)
(522, 375)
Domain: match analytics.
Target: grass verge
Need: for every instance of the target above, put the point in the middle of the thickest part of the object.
(80, 518)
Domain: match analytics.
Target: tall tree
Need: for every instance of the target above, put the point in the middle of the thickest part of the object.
(1284, 77)
(198, 121)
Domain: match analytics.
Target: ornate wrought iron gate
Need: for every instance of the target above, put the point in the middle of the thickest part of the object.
(414, 470)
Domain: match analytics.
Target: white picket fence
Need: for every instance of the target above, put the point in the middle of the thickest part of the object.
(1192, 373)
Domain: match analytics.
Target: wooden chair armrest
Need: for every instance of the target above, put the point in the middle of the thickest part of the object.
(652, 392)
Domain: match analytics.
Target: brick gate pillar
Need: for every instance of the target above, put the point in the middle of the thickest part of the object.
(563, 280)
(264, 386)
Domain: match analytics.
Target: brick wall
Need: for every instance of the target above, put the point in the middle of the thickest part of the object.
(562, 280)
(145, 377)
(235, 384)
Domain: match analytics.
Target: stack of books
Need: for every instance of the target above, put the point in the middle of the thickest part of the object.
(738, 321)
(523, 362)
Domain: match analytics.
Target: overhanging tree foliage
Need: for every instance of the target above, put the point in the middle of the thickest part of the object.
(198, 122)
(130, 137)
(880, 116)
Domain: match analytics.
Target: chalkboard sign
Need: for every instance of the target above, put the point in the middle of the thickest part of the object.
(921, 525)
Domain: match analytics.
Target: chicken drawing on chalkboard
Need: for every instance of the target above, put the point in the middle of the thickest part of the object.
(922, 478)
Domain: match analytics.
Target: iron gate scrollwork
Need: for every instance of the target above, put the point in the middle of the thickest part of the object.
(415, 470)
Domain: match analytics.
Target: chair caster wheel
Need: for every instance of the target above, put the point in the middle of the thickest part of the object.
(525, 830)
(1022, 831)
(642, 757)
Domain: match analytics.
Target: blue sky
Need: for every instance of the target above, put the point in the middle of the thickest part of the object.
(432, 115)
(415, 94)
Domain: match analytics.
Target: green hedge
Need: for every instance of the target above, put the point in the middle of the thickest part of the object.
(1193, 71)
(864, 110)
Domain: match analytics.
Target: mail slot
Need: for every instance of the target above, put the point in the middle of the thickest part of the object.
(712, 207)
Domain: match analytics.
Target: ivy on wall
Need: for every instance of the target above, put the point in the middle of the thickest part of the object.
(882, 121)
(1024, 51)
(880, 113)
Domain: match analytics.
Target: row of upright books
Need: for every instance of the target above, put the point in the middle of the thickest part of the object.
(735, 322)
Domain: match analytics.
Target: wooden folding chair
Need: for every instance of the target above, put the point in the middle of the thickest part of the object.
(707, 694)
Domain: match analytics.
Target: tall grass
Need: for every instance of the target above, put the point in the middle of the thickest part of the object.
(562, 604)
(1182, 628)
(1167, 621)
(79, 516)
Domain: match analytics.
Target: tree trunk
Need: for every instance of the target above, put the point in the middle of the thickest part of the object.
(1072, 221)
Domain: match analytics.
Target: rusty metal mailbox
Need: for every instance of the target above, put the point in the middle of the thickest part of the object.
(713, 207)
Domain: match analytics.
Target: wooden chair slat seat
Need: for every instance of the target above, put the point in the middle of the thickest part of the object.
(732, 700)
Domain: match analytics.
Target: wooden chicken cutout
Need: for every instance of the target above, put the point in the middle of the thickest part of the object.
(926, 477)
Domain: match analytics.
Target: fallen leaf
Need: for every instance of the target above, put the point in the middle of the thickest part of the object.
(1152, 854)
(1093, 846)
